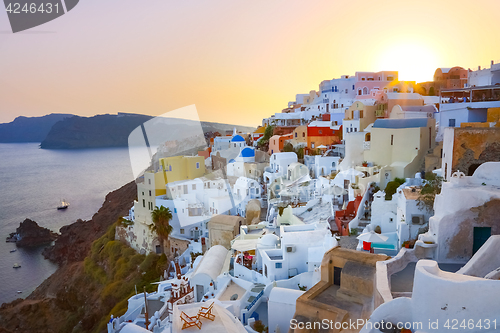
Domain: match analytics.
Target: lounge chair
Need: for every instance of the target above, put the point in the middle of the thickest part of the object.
(190, 321)
(206, 312)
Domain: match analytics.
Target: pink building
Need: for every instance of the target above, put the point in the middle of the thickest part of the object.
(368, 81)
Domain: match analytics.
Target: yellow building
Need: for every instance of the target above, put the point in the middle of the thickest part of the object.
(358, 116)
(177, 168)
(299, 136)
(400, 144)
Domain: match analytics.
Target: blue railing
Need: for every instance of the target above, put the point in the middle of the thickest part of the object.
(249, 306)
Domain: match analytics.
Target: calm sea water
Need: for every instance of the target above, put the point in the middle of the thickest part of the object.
(32, 183)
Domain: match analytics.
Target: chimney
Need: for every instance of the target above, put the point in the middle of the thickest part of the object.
(479, 68)
(492, 63)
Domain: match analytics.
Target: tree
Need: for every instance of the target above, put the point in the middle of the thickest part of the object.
(268, 133)
(288, 147)
(392, 187)
(432, 187)
(300, 153)
(161, 217)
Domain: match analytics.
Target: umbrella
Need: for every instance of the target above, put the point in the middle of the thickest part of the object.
(372, 237)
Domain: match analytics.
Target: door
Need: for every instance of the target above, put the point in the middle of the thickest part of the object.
(200, 291)
(336, 275)
(481, 235)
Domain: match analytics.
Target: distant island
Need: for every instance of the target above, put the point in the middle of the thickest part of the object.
(29, 129)
(66, 131)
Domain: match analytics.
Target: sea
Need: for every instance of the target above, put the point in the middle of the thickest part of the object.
(33, 182)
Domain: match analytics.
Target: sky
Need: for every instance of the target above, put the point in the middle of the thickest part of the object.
(238, 61)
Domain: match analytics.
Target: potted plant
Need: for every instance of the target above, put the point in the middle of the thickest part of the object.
(365, 164)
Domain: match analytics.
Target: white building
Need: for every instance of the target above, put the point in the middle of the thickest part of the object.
(335, 96)
(281, 308)
(442, 301)
(302, 249)
(244, 190)
(204, 277)
(400, 219)
(278, 165)
(321, 165)
(464, 215)
(485, 77)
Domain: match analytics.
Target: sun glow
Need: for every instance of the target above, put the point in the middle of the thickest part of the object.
(413, 61)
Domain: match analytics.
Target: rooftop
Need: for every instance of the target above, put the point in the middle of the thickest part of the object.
(411, 193)
(400, 123)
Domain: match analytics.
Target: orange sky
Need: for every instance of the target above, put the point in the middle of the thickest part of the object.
(238, 61)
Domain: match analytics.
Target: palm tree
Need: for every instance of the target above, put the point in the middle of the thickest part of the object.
(161, 217)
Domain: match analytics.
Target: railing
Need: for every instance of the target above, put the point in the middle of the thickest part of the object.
(249, 306)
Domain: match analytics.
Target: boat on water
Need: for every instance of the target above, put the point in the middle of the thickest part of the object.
(19, 292)
(16, 265)
(14, 250)
(64, 204)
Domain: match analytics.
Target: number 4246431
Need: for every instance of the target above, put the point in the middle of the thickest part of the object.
(15, 8)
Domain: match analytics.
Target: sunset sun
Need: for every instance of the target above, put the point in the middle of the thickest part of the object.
(414, 61)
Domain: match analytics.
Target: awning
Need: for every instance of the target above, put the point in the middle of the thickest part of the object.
(245, 244)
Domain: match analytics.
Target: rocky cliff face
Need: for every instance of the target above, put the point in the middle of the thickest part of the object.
(75, 240)
(30, 234)
(69, 297)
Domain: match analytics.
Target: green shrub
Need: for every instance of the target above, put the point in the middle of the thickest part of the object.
(390, 189)
(401, 181)
(149, 262)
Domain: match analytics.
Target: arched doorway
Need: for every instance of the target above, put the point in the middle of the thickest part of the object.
(473, 168)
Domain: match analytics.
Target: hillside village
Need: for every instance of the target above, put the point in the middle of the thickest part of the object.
(369, 202)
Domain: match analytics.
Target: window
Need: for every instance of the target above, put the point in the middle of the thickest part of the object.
(144, 203)
(320, 131)
(194, 187)
(149, 180)
(362, 79)
(149, 192)
(185, 187)
(333, 164)
(182, 231)
(303, 134)
(278, 265)
(392, 139)
(175, 210)
(360, 113)
(359, 92)
(169, 168)
(295, 134)
(390, 78)
(451, 122)
(265, 270)
(352, 88)
(365, 91)
(198, 164)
